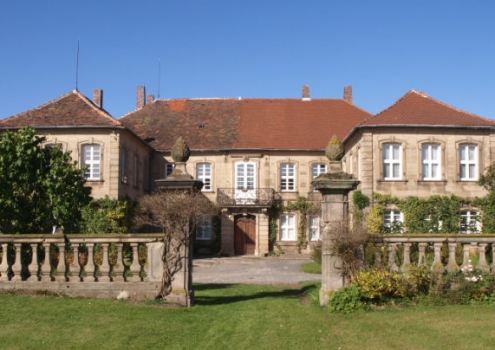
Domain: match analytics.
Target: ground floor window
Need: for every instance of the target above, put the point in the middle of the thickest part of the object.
(203, 229)
(470, 221)
(314, 228)
(287, 227)
(393, 221)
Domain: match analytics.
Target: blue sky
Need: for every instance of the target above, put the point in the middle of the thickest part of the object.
(229, 48)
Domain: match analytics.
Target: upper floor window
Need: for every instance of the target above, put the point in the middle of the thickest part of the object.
(392, 161)
(393, 221)
(135, 170)
(91, 158)
(203, 173)
(468, 162)
(245, 176)
(470, 221)
(287, 227)
(287, 177)
(431, 162)
(317, 169)
(169, 168)
(203, 228)
(123, 166)
(314, 228)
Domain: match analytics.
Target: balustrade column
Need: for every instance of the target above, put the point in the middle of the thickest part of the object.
(17, 266)
(422, 254)
(33, 267)
(118, 269)
(46, 267)
(406, 265)
(466, 262)
(437, 266)
(105, 266)
(392, 266)
(135, 267)
(452, 264)
(60, 267)
(90, 267)
(493, 258)
(482, 264)
(378, 255)
(4, 266)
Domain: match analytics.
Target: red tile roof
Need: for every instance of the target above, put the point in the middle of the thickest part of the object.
(418, 109)
(72, 109)
(244, 123)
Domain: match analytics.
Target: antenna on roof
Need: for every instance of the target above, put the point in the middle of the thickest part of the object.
(77, 63)
(159, 68)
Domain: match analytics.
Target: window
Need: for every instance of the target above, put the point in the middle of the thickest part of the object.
(470, 221)
(468, 159)
(432, 225)
(317, 169)
(203, 173)
(287, 177)
(91, 161)
(314, 228)
(393, 221)
(287, 227)
(392, 161)
(123, 166)
(431, 162)
(169, 168)
(203, 228)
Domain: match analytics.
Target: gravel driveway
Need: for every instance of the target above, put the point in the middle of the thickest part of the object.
(251, 270)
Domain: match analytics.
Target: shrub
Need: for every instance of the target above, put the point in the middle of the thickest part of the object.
(347, 299)
(379, 286)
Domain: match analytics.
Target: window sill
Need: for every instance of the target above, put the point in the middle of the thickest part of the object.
(474, 181)
(94, 180)
(404, 181)
(433, 181)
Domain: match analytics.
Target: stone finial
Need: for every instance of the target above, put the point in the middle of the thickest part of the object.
(180, 151)
(334, 150)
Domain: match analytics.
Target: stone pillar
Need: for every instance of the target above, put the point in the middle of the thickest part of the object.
(334, 187)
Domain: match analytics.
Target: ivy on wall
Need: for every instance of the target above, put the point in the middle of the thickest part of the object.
(424, 215)
(305, 208)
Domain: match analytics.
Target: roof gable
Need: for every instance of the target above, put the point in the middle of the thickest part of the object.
(70, 110)
(418, 109)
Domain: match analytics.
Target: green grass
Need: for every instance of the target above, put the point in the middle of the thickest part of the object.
(311, 267)
(237, 317)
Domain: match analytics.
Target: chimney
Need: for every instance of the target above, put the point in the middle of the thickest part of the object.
(348, 93)
(98, 97)
(141, 97)
(150, 98)
(305, 93)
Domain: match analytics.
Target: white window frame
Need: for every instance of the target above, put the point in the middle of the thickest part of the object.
(391, 216)
(203, 229)
(203, 173)
(123, 166)
(91, 161)
(431, 167)
(287, 177)
(316, 170)
(314, 228)
(287, 227)
(392, 161)
(470, 221)
(468, 162)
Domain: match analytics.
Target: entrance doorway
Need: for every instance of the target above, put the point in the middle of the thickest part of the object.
(244, 235)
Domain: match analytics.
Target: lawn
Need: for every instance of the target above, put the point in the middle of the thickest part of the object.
(237, 317)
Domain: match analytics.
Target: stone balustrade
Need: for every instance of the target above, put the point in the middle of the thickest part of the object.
(439, 253)
(83, 265)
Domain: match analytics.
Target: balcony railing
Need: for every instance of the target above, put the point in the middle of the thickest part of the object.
(233, 197)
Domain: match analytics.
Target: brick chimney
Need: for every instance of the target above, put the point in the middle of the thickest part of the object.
(305, 93)
(348, 93)
(141, 97)
(150, 98)
(98, 97)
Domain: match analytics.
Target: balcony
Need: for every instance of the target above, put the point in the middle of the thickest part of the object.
(255, 198)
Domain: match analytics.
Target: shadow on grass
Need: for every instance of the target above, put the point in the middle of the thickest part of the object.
(238, 296)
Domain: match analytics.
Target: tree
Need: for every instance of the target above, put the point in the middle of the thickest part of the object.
(40, 187)
(176, 213)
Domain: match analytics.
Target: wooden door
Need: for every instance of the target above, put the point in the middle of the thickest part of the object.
(244, 235)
